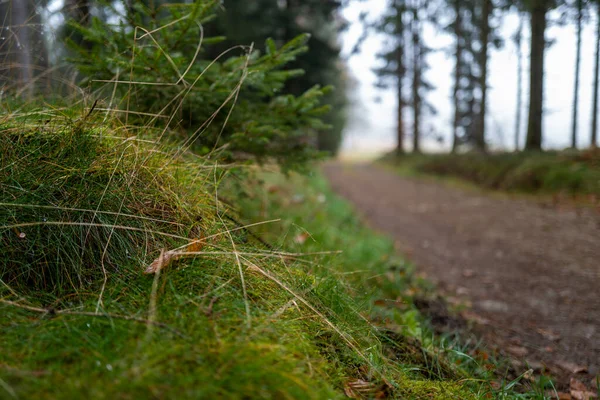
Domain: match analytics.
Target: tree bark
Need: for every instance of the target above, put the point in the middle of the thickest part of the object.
(416, 81)
(457, 74)
(536, 75)
(577, 68)
(400, 78)
(16, 47)
(519, 43)
(594, 138)
(483, 60)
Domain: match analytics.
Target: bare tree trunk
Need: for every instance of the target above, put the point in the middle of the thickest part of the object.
(536, 74)
(5, 47)
(400, 79)
(577, 68)
(416, 81)
(485, 38)
(594, 138)
(519, 43)
(19, 22)
(457, 74)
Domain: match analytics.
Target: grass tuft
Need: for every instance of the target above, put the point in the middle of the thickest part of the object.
(76, 206)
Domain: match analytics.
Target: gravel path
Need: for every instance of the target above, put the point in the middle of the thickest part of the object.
(531, 273)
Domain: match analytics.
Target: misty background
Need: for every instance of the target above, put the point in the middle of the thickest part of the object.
(372, 111)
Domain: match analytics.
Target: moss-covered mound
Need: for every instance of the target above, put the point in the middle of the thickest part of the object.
(78, 203)
(87, 207)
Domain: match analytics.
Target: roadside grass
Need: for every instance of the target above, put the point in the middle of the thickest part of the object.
(88, 206)
(571, 174)
(384, 285)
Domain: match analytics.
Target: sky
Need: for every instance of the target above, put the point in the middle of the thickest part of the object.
(372, 123)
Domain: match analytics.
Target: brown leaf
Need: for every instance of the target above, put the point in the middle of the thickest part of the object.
(579, 391)
(563, 396)
(548, 334)
(575, 384)
(572, 367)
(517, 351)
(467, 273)
(195, 246)
(301, 238)
(166, 258)
(162, 261)
(471, 316)
(583, 395)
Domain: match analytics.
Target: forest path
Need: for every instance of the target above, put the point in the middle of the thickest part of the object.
(532, 274)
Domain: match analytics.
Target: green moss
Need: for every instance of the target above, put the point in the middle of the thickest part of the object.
(299, 325)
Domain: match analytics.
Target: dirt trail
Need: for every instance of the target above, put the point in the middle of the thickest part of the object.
(531, 273)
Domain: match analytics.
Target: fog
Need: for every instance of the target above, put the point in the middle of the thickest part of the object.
(372, 122)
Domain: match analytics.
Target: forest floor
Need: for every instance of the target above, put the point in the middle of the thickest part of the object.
(525, 274)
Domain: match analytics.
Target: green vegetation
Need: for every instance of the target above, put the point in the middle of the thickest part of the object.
(568, 173)
(245, 22)
(125, 273)
(231, 106)
(227, 319)
(270, 311)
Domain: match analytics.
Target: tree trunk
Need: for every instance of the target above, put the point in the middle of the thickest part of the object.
(5, 47)
(577, 67)
(16, 49)
(594, 138)
(519, 43)
(536, 75)
(457, 74)
(416, 81)
(483, 60)
(400, 80)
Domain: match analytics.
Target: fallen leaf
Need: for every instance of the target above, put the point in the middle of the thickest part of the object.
(575, 384)
(579, 391)
(166, 258)
(496, 385)
(195, 246)
(548, 334)
(572, 367)
(162, 261)
(301, 238)
(563, 396)
(471, 316)
(582, 395)
(535, 365)
(517, 351)
(467, 273)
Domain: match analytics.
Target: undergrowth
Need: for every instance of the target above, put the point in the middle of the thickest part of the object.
(303, 303)
(567, 173)
(383, 285)
(87, 207)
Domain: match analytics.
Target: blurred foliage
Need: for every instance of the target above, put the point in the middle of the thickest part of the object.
(246, 22)
(572, 173)
(233, 105)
